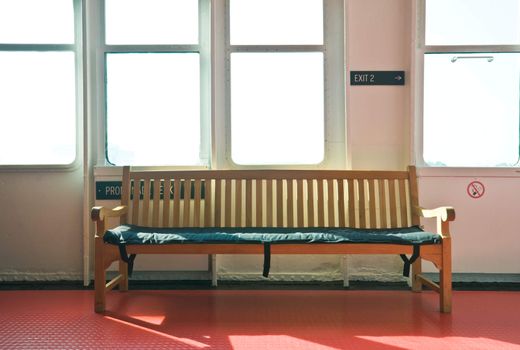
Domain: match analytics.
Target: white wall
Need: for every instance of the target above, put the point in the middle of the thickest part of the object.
(41, 225)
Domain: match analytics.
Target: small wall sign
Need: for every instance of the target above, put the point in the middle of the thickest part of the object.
(112, 190)
(108, 190)
(476, 189)
(377, 78)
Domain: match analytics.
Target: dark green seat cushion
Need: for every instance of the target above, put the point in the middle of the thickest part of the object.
(131, 234)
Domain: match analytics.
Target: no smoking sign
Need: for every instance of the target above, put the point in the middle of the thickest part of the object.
(476, 189)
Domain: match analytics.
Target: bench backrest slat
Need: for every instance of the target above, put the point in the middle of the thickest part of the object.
(351, 204)
(382, 202)
(414, 194)
(259, 202)
(269, 204)
(402, 202)
(208, 198)
(311, 204)
(270, 198)
(125, 195)
(393, 203)
(135, 201)
(167, 183)
(146, 203)
(372, 203)
(290, 203)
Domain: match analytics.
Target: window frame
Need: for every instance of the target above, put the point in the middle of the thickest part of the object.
(334, 88)
(215, 118)
(99, 69)
(76, 48)
(420, 50)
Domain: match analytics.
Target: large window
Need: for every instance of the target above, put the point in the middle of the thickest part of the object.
(277, 89)
(471, 97)
(38, 85)
(276, 67)
(153, 83)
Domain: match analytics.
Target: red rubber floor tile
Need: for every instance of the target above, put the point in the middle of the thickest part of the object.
(266, 319)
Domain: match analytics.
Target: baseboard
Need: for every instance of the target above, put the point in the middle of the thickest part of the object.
(15, 276)
(479, 277)
(467, 278)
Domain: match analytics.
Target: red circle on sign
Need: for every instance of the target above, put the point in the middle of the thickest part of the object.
(476, 189)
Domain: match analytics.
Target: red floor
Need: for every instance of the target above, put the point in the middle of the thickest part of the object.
(267, 320)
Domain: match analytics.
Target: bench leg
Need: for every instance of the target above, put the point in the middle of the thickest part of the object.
(212, 260)
(416, 270)
(99, 278)
(123, 270)
(445, 277)
(344, 270)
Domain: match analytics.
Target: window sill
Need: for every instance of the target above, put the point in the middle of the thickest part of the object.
(107, 170)
(468, 172)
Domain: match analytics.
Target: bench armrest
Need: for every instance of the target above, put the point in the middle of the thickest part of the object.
(443, 215)
(98, 215)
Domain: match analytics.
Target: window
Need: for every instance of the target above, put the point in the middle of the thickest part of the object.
(281, 61)
(259, 84)
(277, 97)
(38, 86)
(153, 82)
(471, 95)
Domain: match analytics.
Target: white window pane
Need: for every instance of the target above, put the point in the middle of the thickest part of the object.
(36, 22)
(277, 108)
(471, 109)
(37, 108)
(472, 22)
(151, 22)
(276, 22)
(153, 109)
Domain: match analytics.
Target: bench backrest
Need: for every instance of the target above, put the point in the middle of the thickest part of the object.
(270, 198)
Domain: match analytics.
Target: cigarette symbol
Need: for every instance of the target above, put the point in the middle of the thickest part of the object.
(475, 189)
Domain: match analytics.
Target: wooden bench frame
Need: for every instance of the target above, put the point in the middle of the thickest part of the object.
(227, 198)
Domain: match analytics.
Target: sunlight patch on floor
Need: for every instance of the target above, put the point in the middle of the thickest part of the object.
(186, 341)
(445, 343)
(156, 320)
(247, 342)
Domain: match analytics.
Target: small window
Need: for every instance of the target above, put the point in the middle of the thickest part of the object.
(472, 22)
(36, 22)
(276, 22)
(152, 22)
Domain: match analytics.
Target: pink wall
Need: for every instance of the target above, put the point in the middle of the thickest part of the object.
(378, 117)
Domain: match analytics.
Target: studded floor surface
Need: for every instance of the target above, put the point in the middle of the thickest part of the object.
(259, 319)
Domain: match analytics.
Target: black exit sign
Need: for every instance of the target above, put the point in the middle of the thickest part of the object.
(376, 77)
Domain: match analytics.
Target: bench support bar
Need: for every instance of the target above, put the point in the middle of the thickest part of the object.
(420, 279)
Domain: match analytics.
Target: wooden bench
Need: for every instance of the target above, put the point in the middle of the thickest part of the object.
(233, 204)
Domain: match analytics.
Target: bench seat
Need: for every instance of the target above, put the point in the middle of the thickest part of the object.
(125, 235)
(133, 234)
